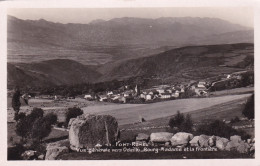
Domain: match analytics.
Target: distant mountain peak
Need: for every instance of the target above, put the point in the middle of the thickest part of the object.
(97, 21)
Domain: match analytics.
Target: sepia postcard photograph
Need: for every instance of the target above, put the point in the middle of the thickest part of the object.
(130, 83)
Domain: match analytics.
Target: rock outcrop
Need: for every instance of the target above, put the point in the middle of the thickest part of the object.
(181, 138)
(29, 155)
(142, 137)
(221, 143)
(204, 141)
(86, 131)
(161, 137)
(56, 149)
(195, 141)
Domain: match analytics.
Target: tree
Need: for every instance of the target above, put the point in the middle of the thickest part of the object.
(249, 110)
(40, 129)
(72, 113)
(181, 122)
(51, 118)
(177, 120)
(35, 114)
(187, 124)
(16, 104)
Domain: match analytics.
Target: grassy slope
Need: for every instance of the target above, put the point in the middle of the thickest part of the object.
(193, 62)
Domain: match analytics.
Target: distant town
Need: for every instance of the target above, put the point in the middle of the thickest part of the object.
(135, 94)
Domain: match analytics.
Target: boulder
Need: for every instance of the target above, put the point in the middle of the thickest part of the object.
(142, 137)
(181, 138)
(235, 138)
(29, 155)
(54, 151)
(70, 122)
(204, 141)
(86, 131)
(253, 140)
(221, 143)
(195, 141)
(167, 144)
(243, 147)
(60, 143)
(161, 137)
(41, 157)
(212, 141)
(232, 145)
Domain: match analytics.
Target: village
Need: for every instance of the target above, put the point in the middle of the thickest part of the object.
(137, 95)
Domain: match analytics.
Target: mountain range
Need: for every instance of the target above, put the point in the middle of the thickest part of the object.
(44, 53)
(100, 41)
(180, 64)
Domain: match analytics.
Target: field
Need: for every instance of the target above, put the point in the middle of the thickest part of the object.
(128, 115)
(163, 109)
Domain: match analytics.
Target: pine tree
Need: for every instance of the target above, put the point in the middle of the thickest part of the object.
(16, 104)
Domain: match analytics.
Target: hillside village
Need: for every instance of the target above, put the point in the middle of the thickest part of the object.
(199, 88)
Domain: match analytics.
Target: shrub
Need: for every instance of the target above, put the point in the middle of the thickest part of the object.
(234, 120)
(221, 129)
(40, 129)
(34, 125)
(37, 146)
(181, 122)
(35, 114)
(177, 120)
(249, 110)
(23, 127)
(19, 116)
(51, 118)
(72, 113)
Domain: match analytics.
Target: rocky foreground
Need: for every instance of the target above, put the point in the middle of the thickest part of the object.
(96, 133)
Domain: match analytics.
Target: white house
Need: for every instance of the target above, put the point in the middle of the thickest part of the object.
(160, 91)
(148, 97)
(110, 93)
(166, 95)
(88, 96)
(228, 76)
(201, 84)
(177, 93)
(103, 98)
(142, 95)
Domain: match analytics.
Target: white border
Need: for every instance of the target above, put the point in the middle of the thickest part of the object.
(120, 4)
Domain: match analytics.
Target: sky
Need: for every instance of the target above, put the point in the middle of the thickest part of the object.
(238, 15)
